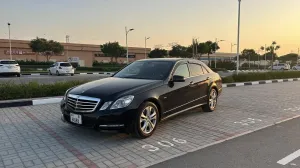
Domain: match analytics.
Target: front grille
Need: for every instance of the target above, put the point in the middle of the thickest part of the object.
(79, 103)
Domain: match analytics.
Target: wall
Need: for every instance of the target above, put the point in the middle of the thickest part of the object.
(85, 52)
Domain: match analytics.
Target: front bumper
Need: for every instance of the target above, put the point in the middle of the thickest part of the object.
(106, 119)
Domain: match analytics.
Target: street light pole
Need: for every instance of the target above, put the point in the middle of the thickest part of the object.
(238, 38)
(298, 55)
(146, 38)
(9, 41)
(265, 56)
(216, 45)
(67, 41)
(127, 31)
(232, 46)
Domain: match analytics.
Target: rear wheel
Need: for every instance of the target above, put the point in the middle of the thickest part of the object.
(212, 101)
(18, 75)
(72, 74)
(146, 120)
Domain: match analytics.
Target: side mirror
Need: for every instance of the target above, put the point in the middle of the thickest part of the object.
(178, 78)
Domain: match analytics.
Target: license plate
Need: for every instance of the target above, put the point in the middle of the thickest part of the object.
(75, 118)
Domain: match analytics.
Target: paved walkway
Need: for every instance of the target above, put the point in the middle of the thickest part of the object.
(34, 136)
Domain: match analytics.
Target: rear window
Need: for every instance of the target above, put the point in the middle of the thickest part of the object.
(8, 62)
(65, 64)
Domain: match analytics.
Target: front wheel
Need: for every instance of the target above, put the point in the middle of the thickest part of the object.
(146, 120)
(57, 73)
(212, 101)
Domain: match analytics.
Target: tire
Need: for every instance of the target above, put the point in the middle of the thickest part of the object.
(139, 122)
(72, 74)
(57, 73)
(18, 75)
(212, 98)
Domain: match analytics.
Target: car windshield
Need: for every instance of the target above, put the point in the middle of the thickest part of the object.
(155, 70)
(8, 62)
(65, 64)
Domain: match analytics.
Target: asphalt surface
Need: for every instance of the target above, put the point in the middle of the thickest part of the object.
(43, 79)
(259, 149)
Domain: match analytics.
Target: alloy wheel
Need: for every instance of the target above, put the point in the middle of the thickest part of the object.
(148, 119)
(213, 99)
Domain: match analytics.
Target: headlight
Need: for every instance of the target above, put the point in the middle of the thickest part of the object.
(65, 96)
(122, 102)
(105, 105)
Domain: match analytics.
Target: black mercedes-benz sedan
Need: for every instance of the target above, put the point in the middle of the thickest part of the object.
(136, 98)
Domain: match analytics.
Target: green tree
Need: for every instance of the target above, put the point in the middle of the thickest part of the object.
(179, 51)
(202, 48)
(272, 49)
(158, 53)
(212, 47)
(45, 47)
(113, 50)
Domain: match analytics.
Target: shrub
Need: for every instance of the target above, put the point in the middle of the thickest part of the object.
(10, 90)
(246, 77)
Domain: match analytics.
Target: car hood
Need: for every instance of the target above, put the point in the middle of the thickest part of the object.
(114, 87)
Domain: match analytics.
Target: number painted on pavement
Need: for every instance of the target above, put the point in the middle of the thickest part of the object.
(163, 143)
(152, 148)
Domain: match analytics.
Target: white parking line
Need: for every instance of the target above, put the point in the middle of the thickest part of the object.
(289, 158)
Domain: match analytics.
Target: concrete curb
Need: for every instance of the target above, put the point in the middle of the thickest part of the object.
(52, 100)
(86, 73)
(259, 82)
(29, 102)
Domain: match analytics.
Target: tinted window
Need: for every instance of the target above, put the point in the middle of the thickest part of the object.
(8, 62)
(182, 70)
(65, 64)
(206, 69)
(195, 69)
(156, 70)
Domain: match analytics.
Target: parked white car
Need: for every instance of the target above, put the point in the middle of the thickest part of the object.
(10, 67)
(296, 67)
(61, 68)
(281, 66)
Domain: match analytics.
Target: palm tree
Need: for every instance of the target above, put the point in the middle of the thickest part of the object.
(263, 49)
(272, 48)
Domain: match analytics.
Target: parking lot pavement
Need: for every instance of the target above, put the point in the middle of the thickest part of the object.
(276, 147)
(44, 79)
(35, 136)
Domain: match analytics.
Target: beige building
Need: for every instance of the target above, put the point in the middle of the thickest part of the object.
(84, 54)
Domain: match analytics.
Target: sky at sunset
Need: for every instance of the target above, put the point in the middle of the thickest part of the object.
(164, 21)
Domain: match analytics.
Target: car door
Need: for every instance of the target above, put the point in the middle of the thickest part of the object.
(199, 85)
(177, 96)
(53, 69)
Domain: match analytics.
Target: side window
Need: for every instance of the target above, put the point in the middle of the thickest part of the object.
(205, 71)
(195, 69)
(182, 70)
